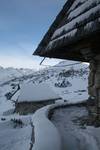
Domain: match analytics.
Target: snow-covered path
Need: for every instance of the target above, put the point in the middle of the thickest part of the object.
(74, 137)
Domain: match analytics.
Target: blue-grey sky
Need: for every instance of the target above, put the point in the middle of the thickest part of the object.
(22, 25)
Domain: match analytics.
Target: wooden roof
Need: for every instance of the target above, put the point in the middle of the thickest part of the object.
(76, 28)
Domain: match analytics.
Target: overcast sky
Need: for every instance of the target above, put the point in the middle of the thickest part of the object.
(22, 25)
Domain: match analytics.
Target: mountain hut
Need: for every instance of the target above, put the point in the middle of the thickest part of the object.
(75, 35)
(34, 96)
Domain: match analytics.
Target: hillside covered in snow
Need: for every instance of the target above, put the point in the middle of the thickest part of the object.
(8, 74)
(67, 80)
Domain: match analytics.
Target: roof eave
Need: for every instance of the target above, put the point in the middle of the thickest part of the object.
(44, 42)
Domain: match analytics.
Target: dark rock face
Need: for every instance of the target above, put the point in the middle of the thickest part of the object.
(24, 108)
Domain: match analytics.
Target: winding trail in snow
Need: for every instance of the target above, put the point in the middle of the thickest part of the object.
(73, 136)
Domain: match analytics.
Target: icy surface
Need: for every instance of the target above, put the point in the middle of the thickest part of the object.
(72, 134)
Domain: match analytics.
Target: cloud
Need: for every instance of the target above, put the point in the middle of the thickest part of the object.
(26, 62)
(22, 26)
(19, 62)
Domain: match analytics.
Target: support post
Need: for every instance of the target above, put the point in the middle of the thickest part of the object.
(98, 104)
(94, 61)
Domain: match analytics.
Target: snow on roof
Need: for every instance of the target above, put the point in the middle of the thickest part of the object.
(78, 18)
(16, 95)
(77, 21)
(76, 3)
(36, 92)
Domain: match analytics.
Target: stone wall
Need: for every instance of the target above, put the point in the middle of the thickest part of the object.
(24, 108)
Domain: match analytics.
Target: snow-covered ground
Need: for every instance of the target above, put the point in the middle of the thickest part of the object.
(46, 135)
(13, 136)
(74, 136)
(70, 84)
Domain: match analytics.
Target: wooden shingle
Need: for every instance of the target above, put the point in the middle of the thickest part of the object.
(75, 29)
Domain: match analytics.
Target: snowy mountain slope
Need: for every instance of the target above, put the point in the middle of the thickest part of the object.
(70, 82)
(7, 74)
(68, 79)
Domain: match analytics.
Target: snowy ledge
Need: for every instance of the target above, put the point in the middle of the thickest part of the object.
(58, 105)
(46, 134)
